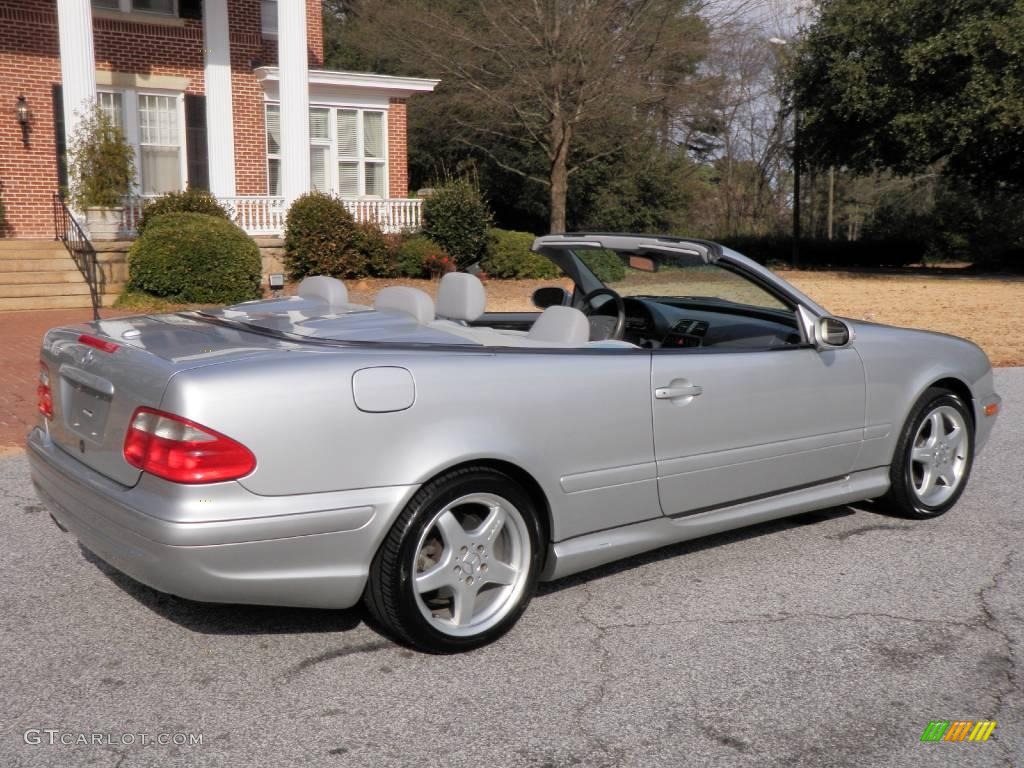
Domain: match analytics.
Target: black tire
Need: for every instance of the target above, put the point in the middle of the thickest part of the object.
(391, 595)
(902, 498)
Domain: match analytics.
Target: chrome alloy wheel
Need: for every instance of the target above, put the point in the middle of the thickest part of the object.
(471, 564)
(939, 456)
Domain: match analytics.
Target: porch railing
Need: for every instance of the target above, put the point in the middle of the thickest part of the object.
(264, 214)
(67, 229)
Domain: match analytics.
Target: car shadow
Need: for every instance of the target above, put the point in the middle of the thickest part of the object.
(230, 618)
(697, 545)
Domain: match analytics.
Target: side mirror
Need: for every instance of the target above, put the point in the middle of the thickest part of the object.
(825, 332)
(551, 296)
(834, 332)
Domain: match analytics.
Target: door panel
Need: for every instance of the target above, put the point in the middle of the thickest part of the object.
(731, 426)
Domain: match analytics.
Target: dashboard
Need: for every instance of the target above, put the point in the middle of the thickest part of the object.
(686, 323)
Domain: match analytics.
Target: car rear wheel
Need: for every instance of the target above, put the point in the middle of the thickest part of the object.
(933, 458)
(460, 564)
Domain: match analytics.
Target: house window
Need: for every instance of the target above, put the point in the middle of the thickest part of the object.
(152, 124)
(268, 17)
(361, 156)
(112, 105)
(273, 149)
(159, 144)
(347, 151)
(166, 7)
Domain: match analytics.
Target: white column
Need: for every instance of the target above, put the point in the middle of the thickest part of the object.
(220, 124)
(294, 85)
(77, 61)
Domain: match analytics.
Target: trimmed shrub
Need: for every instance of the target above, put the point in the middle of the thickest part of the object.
(193, 258)
(417, 255)
(190, 201)
(375, 248)
(509, 256)
(605, 264)
(321, 238)
(456, 217)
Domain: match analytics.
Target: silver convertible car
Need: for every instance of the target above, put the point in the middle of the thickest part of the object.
(436, 460)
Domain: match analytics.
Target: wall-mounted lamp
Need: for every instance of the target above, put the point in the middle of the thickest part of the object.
(24, 117)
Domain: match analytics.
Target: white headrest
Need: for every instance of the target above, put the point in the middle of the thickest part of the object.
(329, 290)
(565, 325)
(412, 301)
(461, 296)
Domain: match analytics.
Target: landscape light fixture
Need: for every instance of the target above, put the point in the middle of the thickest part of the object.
(24, 116)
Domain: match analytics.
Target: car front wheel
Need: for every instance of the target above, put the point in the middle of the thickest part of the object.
(933, 457)
(460, 564)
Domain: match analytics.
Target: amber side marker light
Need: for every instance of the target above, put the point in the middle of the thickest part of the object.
(992, 409)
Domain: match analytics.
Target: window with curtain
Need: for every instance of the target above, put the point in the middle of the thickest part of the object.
(268, 17)
(113, 105)
(151, 123)
(273, 149)
(154, 6)
(159, 144)
(319, 148)
(361, 156)
(168, 7)
(352, 142)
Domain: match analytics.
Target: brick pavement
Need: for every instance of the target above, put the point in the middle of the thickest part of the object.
(22, 333)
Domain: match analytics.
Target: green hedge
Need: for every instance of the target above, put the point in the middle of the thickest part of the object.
(321, 238)
(605, 264)
(419, 256)
(195, 258)
(456, 217)
(830, 253)
(189, 201)
(509, 256)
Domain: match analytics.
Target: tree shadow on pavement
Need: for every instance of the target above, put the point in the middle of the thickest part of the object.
(230, 619)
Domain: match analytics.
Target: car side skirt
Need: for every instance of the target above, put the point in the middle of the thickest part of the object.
(594, 549)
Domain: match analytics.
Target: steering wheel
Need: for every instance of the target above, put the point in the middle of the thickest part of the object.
(620, 308)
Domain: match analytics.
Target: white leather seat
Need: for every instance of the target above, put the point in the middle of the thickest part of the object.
(411, 301)
(329, 290)
(460, 297)
(561, 325)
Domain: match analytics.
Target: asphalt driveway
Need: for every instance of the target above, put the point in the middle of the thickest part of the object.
(831, 639)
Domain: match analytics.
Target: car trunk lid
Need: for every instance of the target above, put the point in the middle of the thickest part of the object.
(101, 372)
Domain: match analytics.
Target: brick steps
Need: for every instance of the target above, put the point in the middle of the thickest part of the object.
(40, 277)
(51, 302)
(40, 274)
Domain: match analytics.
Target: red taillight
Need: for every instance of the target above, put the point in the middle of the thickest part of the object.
(100, 344)
(182, 451)
(44, 397)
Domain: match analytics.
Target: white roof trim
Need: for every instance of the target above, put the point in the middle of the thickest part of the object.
(402, 86)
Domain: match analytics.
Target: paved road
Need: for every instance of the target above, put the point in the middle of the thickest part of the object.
(828, 640)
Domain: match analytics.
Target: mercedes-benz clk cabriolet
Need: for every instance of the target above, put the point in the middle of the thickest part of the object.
(436, 460)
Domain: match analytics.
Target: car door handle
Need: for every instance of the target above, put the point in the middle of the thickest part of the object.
(671, 393)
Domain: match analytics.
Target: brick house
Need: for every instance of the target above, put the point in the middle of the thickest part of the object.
(226, 95)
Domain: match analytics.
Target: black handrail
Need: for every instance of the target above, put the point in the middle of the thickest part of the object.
(69, 231)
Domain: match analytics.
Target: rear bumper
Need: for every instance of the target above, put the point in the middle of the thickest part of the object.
(220, 543)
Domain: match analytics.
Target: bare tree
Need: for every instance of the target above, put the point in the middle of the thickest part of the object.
(542, 73)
